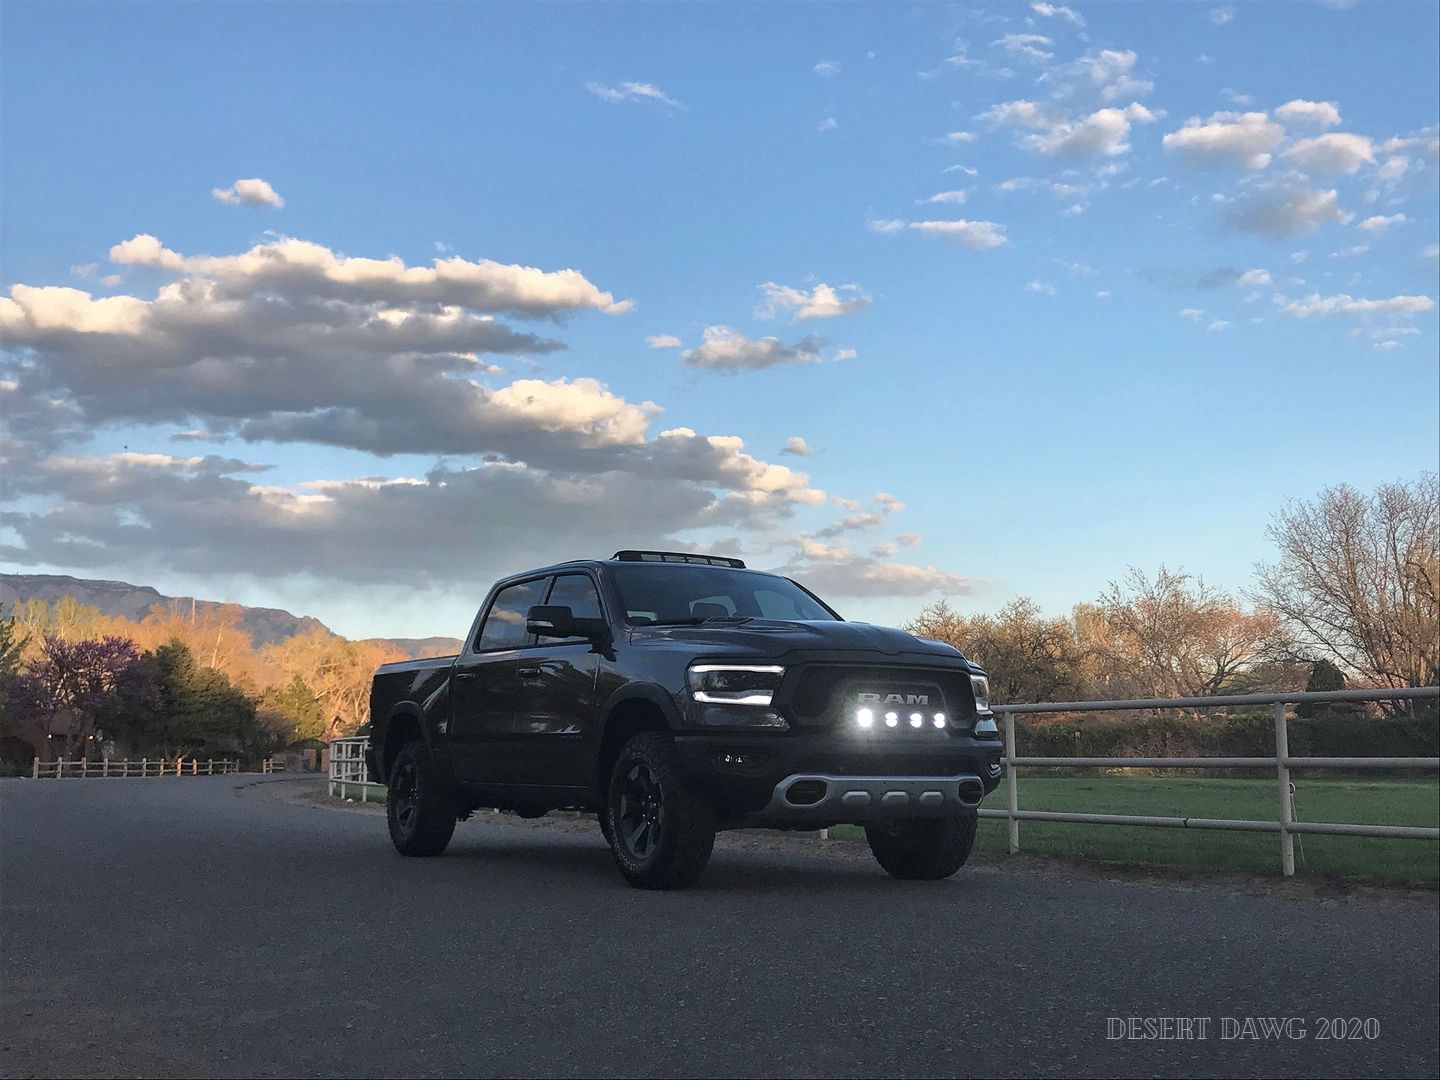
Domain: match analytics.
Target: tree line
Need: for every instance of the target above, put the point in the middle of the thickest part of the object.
(1350, 599)
(176, 683)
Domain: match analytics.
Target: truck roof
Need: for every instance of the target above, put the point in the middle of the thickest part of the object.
(650, 558)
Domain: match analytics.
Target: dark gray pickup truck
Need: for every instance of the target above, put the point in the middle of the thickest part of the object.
(675, 695)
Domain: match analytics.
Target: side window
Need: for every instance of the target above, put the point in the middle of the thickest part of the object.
(577, 592)
(505, 624)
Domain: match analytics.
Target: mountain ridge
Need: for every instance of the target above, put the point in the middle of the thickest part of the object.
(266, 626)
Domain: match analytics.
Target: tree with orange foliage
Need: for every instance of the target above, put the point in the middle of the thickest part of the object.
(339, 672)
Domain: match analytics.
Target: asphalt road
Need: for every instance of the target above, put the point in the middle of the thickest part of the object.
(195, 927)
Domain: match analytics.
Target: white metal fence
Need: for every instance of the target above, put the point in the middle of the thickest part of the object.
(1286, 825)
(348, 767)
(108, 768)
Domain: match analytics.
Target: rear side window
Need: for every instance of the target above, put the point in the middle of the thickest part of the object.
(505, 623)
(577, 592)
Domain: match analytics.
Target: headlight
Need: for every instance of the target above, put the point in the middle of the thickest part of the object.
(735, 695)
(981, 685)
(734, 684)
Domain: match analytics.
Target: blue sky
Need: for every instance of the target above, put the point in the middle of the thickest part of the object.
(1079, 287)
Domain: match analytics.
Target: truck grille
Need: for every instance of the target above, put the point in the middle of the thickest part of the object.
(816, 695)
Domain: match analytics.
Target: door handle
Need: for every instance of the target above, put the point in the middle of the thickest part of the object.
(531, 672)
(465, 676)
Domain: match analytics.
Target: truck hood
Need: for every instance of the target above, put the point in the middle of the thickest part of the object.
(771, 637)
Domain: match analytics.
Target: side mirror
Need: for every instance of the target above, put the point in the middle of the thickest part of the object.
(557, 621)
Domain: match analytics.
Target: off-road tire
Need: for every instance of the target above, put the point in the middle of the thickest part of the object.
(926, 849)
(661, 833)
(421, 820)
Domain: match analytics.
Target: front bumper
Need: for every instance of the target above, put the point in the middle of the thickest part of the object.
(746, 776)
(808, 798)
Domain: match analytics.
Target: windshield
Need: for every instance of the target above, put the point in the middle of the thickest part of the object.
(677, 594)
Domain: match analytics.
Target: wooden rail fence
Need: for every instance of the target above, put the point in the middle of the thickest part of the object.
(108, 768)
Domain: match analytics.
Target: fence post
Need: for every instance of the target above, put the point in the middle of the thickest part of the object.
(35, 770)
(1282, 770)
(1012, 790)
(60, 769)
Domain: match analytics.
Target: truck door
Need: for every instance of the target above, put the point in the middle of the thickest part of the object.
(556, 699)
(485, 684)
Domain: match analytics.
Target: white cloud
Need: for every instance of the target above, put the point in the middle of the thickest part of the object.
(1103, 133)
(663, 341)
(1044, 288)
(956, 138)
(1023, 114)
(891, 225)
(828, 124)
(1070, 15)
(1387, 345)
(633, 91)
(1331, 154)
(968, 170)
(975, 235)
(821, 302)
(1193, 314)
(302, 268)
(84, 270)
(1432, 251)
(797, 446)
(1235, 97)
(1103, 294)
(1321, 114)
(1222, 15)
(251, 192)
(1286, 210)
(1252, 278)
(1393, 169)
(859, 576)
(1379, 222)
(1227, 138)
(1354, 251)
(726, 350)
(1315, 305)
(827, 68)
(1029, 47)
(1111, 73)
(1217, 325)
(951, 198)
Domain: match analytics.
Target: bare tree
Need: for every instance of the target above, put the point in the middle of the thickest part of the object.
(1029, 657)
(1358, 579)
(1175, 636)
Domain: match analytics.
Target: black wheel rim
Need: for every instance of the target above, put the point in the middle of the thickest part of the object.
(642, 811)
(404, 795)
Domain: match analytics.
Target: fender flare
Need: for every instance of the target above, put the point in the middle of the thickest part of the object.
(409, 710)
(652, 693)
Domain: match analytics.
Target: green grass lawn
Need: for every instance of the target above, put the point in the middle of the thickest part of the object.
(375, 793)
(1371, 802)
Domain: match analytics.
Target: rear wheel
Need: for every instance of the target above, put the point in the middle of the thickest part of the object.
(421, 820)
(927, 849)
(661, 833)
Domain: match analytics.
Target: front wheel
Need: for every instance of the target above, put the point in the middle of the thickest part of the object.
(421, 820)
(660, 832)
(922, 850)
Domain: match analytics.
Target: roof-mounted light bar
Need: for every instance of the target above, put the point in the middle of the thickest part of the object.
(635, 555)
